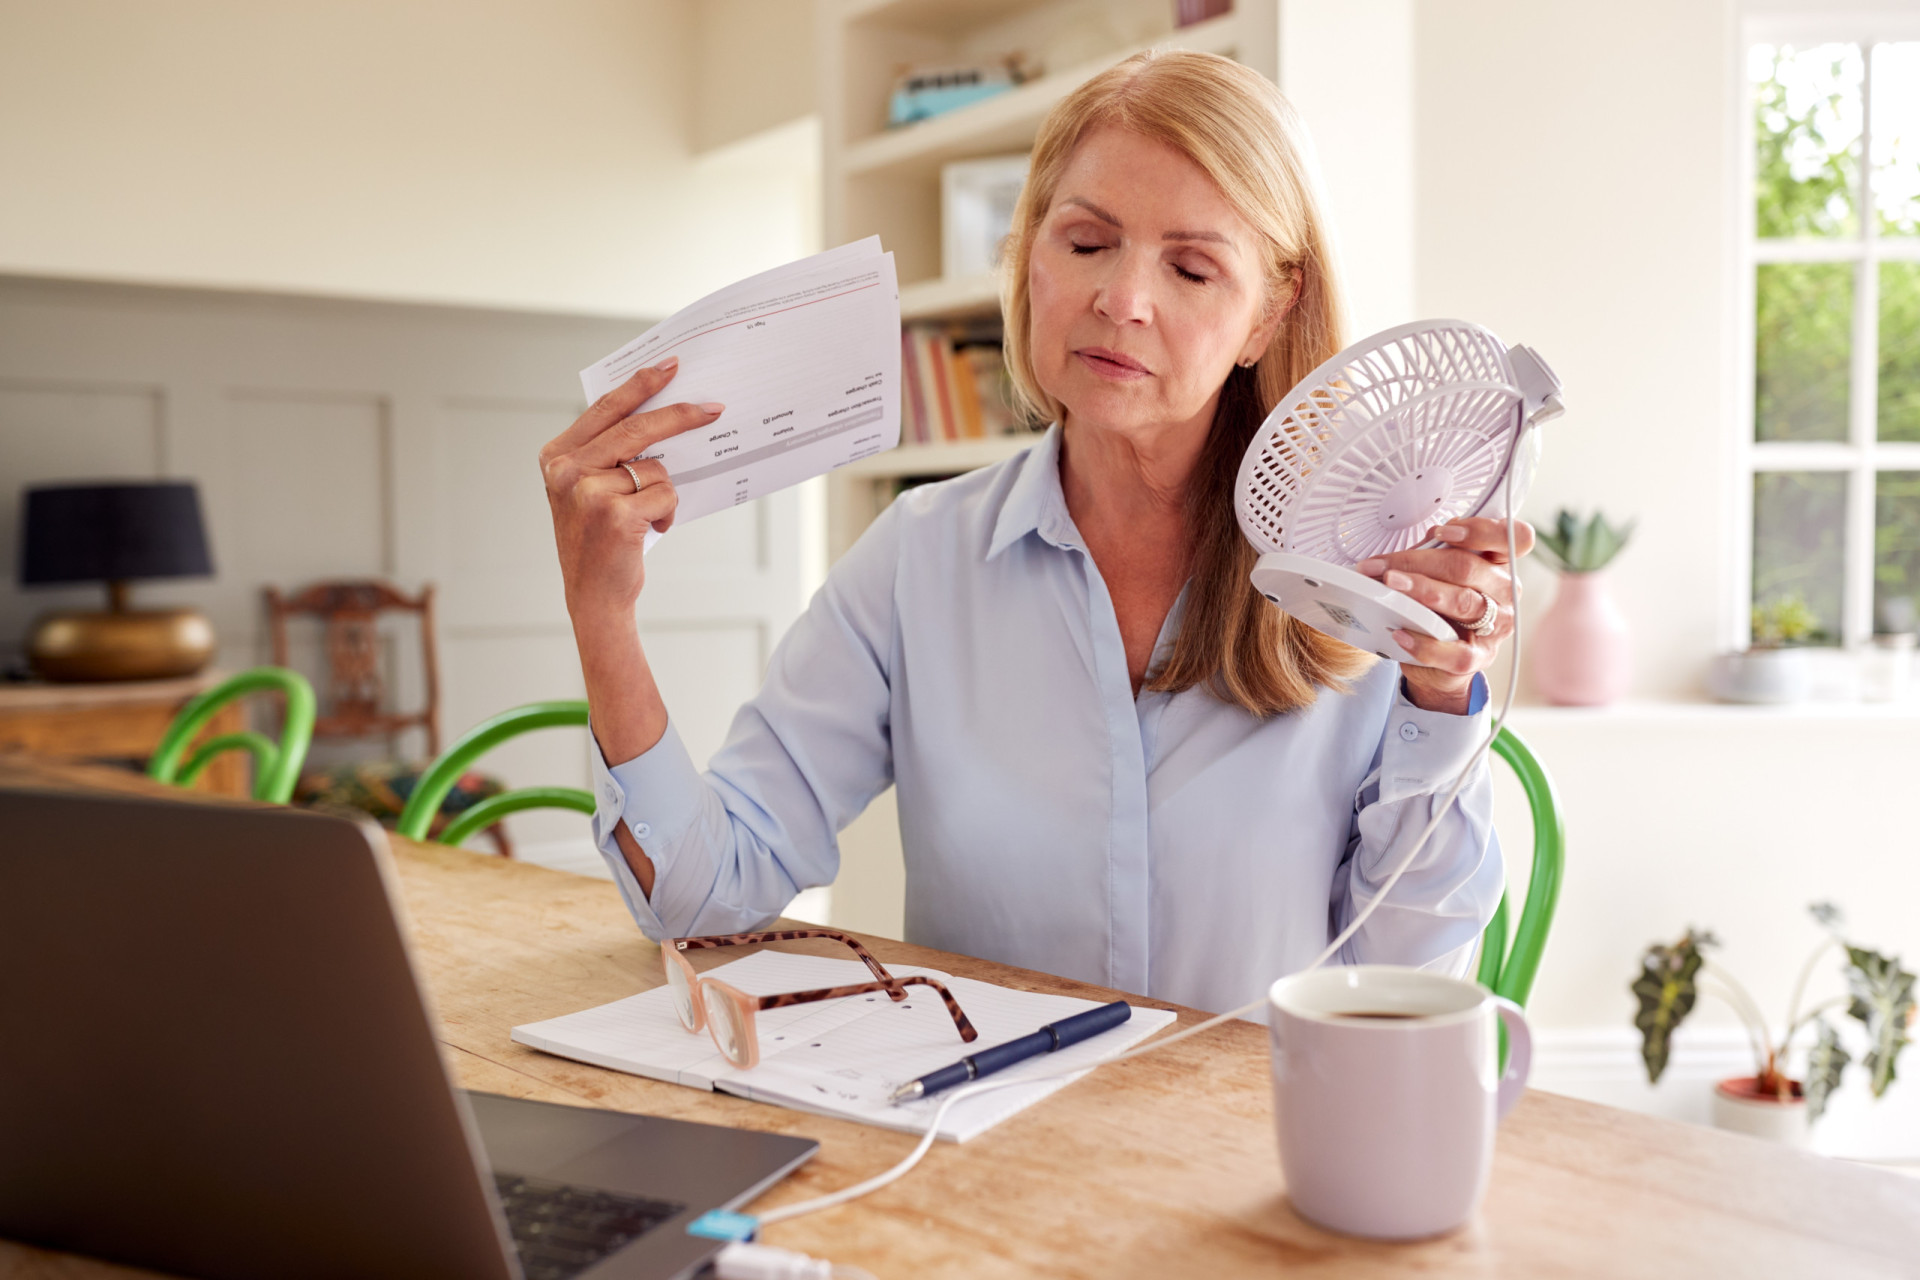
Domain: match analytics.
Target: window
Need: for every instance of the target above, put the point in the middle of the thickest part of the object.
(1831, 445)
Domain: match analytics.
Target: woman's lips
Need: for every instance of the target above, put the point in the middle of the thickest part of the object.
(1111, 364)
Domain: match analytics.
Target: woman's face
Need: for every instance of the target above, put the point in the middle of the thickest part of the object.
(1146, 286)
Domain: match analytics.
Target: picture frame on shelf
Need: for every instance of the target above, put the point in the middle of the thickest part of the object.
(977, 199)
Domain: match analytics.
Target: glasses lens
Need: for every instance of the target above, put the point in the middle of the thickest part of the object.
(723, 1020)
(682, 995)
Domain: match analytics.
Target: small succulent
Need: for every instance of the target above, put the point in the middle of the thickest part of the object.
(1784, 620)
(1574, 545)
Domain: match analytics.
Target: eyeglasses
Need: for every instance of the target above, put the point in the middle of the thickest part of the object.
(728, 1012)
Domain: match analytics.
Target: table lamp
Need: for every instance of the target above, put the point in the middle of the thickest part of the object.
(116, 533)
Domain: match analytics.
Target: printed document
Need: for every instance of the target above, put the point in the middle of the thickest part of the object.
(841, 1057)
(805, 357)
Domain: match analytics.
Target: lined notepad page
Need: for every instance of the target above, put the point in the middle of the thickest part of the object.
(840, 1057)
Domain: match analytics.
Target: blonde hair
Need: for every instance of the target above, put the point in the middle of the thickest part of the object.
(1243, 135)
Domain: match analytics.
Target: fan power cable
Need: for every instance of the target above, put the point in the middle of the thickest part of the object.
(1540, 404)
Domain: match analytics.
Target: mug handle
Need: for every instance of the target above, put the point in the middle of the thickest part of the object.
(1513, 1082)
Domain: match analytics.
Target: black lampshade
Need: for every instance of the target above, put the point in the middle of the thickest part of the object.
(108, 532)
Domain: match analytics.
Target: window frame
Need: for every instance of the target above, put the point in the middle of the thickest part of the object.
(1862, 455)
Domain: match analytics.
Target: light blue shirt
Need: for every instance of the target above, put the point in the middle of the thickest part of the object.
(966, 651)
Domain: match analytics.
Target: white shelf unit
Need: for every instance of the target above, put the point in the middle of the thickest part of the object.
(877, 180)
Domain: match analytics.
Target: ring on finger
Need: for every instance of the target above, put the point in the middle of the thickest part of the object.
(632, 474)
(1490, 616)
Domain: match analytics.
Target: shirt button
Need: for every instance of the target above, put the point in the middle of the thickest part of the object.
(1409, 731)
(641, 830)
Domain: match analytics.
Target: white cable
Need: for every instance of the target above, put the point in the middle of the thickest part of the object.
(1498, 723)
(743, 1261)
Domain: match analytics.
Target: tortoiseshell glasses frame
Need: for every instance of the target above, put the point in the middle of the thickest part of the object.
(727, 1013)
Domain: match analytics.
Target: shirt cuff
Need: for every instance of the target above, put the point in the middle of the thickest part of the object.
(1424, 750)
(657, 796)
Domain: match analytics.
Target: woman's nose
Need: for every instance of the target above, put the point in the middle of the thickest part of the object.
(1125, 296)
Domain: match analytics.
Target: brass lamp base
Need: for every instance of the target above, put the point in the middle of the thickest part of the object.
(147, 644)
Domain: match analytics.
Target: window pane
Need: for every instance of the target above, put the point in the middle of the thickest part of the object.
(1803, 323)
(1798, 522)
(1896, 550)
(1900, 351)
(1806, 138)
(1896, 138)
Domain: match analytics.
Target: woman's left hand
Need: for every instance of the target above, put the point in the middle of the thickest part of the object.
(1458, 582)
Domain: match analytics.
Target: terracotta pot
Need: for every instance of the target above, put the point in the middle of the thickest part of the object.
(1740, 1105)
(1582, 653)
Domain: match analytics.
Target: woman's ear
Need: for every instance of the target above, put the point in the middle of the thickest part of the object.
(1261, 336)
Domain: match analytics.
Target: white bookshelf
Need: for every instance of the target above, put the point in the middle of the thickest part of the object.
(877, 180)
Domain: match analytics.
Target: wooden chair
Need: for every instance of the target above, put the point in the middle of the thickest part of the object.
(1508, 968)
(355, 702)
(275, 765)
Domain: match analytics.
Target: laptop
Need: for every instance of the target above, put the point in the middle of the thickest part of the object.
(216, 1060)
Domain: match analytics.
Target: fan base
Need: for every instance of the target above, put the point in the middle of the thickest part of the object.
(1346, 605)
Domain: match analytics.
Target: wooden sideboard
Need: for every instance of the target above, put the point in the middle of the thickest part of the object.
(118, 724)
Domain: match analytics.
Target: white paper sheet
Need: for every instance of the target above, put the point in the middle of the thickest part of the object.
(806, 357)
(840, 1057)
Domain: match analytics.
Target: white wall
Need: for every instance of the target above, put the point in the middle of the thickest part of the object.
(1573, 169)
(524, 155)
(1575, 188)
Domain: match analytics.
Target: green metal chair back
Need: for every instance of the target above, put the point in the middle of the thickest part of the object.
(276, 767)
(1509, 969)
(431, 791)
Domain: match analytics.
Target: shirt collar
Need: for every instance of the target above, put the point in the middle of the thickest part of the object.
(1036, 503)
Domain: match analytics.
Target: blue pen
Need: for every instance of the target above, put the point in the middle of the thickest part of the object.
(1055, 1035)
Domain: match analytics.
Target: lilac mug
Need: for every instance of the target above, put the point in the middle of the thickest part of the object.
(1386, 1092)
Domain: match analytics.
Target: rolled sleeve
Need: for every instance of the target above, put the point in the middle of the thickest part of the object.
(1424, 750)
(657, 795)
(1434, 915)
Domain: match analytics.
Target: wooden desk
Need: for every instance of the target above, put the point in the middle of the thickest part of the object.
(1162, 1167)
(122, 722)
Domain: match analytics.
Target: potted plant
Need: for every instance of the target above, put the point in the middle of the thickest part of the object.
(1581, 651)
(1773, 669)
(1770, 1103)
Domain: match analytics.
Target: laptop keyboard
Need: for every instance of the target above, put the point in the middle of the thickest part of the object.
(561, 1230)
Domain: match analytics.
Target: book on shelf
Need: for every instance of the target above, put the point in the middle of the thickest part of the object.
(956, 387)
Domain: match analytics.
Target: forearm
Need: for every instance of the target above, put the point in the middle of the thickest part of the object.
(629, 716)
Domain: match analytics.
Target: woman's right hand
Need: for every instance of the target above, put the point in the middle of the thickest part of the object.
(601, 512)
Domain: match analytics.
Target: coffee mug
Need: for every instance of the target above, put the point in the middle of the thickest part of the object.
(1386, 1091)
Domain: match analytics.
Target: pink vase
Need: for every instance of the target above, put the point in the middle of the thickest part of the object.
(1582, 654)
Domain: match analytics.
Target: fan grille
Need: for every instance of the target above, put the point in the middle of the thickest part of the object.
(1435, 400)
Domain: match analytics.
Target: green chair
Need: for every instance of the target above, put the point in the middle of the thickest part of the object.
(1508, 969)
(424, 802)
(275, 768)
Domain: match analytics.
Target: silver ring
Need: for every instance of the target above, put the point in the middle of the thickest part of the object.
(635, 476)
(1488, 618)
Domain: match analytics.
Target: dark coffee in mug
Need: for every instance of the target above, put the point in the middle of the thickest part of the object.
(1380, 1014)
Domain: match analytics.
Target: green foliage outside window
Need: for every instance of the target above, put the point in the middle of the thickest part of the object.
(1807, 168)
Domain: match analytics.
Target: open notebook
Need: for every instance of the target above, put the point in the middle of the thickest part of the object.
(839, 1057)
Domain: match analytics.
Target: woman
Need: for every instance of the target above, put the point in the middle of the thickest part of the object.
(1114, 760)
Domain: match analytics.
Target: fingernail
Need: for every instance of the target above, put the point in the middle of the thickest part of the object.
(1371, 567)
(1451, 533)
(669, 364)
(712, 407)
(1399, 581)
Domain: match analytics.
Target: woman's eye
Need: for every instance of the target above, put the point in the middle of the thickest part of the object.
(1087, 248)
(1185, 274)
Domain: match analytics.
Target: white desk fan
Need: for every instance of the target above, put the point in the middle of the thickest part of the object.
(1400, 433)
